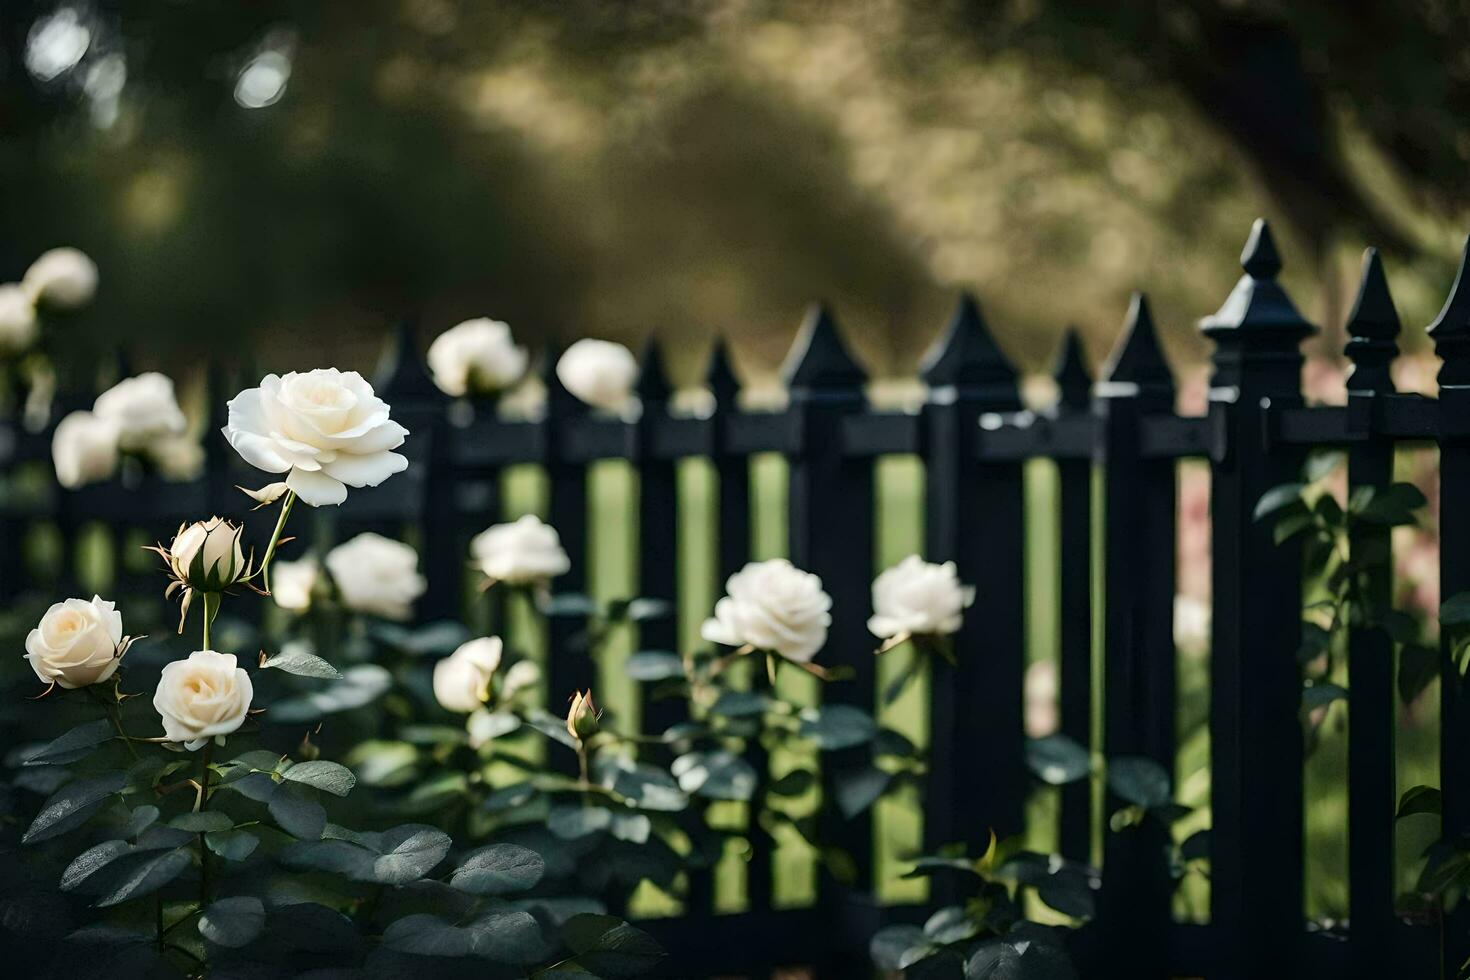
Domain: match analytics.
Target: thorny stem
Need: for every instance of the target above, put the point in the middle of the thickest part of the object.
(114, 715)
(200, 805)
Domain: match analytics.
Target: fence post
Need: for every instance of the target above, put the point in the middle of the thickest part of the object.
(732, 550)
(1451, 333)
(1372, 329)
(567, 670)
(1140, 549)
(1074, 599)
(658, 533)
(831, 535)
(974, 518)
(1255, 685)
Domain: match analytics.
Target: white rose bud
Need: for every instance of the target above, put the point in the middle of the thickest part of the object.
(144, 409)
(583, 718)
(523, 552)
(773, 606)
(17, 319)
(462, 679)
(476, 357)
(599, 372)
(325, 429)
(292, 583)
(84, 449)
(65, 278)
(77, 643)
(207, 556)
(918, 597)
(377, 575)
(201, 697)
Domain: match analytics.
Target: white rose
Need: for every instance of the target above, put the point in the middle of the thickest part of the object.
(207, 554)
(520, 676)
(62, 277)
(144, 409)
(462, 679)
(179, 458)
(202, 697)
(775, 606)
(17, 319)
(918, 597)
(77, 643)
(599, 372)
(84, 449)
(520, 553)
(476, 356)
(292, 583)
(377, 575)
(325, 428)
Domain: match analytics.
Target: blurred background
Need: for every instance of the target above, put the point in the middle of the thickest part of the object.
(299, 174)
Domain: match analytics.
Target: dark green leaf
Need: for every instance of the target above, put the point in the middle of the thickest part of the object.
(1139, 780)
(382, 763)
(568, 604)
(1321, 694)
(142, 818)
(654, 665)
(719, 775)
(232, 845)
(73, 805)
(1058, 760)
(74, 745)
(297, 815)
(575, 821)
(1394, 505)
(233, 922)
(951, 924)
(794, 783)
(510, 797)
(92, 860)
(329, 777)
(643, 609)
(202, 822)
(1278, 497)
(838, 726)
(1455, 611)
(409, 853)
(610, 948)
(1196, 846)
(1321, 463)
(741, 704)
(1419, 799)
(143, 873)
(891, 942)
(856, 790)
(500, 869)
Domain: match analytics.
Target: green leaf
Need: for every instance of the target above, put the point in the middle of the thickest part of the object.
(576, 821)
(1321, 463)
(794, 783)
(73, 805)
(78, 743)
(740, 704)
(501, 936)
(1196, 846)
(91, 861)
(551, 726)
(1419, 799)
(359, 686)
(142, 818)
(608, 947)
(202, 822)
(1455, 611)
(510, 797)
(1278, 497)
(500, 869)
(838, 726)
(568, 604)
(1322, 693)
(1315, 642)
(719, 775)
(409, 853)
(645, 787)
(1418, 667)
(857, 789)
(890, 943)
(951, 924)
(329, 777)
(233, 922)
(1070, 892)
(143, 873)
(648, 666)
(1058, 760)
(1289, 524)
(298, 816)
(1393, 506)
(297, 658)
(642, 609)
(232, 845)
(382, 763)
(1139, 780)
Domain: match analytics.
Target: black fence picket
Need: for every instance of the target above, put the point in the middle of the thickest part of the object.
(1121, 438)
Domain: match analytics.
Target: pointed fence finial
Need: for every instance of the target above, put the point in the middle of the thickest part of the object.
(1451, 329)
(1138, 361)
(401, 372)
(819, 361)
(967, 358)
(653, 379)
(1069, 371)
(1258, 307)
(720, 377)
(1372, 328)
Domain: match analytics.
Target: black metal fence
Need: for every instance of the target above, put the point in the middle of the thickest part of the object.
(973, 437)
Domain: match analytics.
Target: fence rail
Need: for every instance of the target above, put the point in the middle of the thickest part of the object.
(1119, 438)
